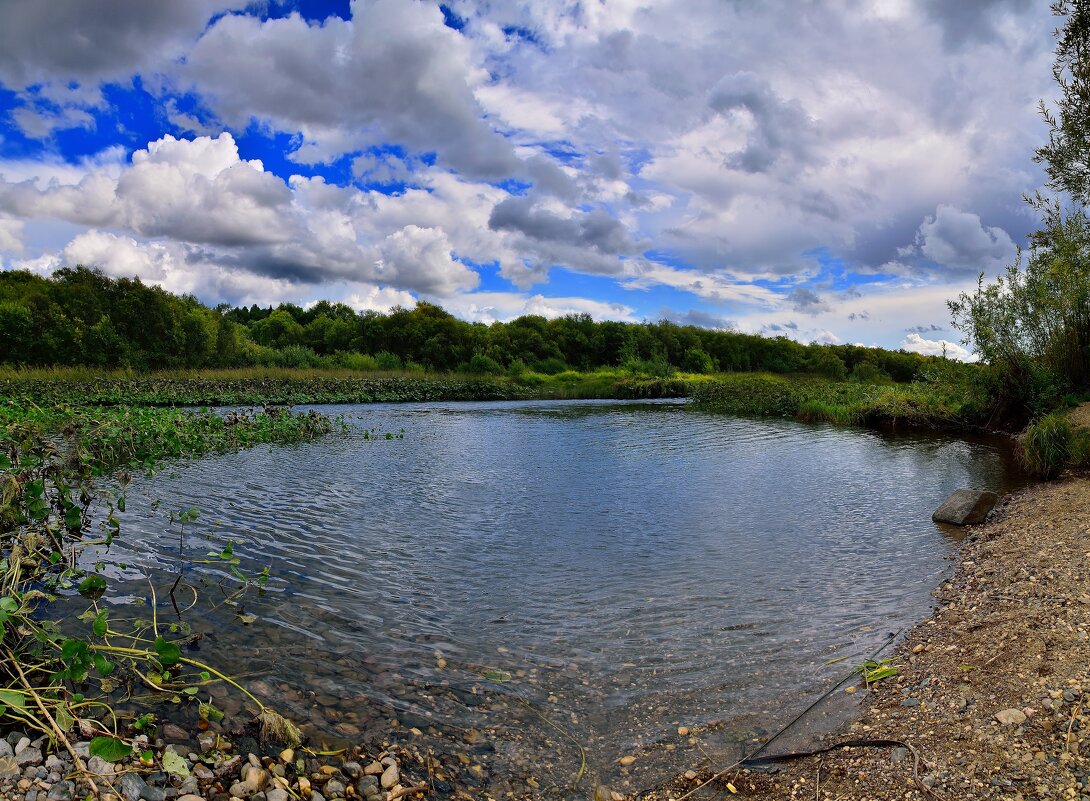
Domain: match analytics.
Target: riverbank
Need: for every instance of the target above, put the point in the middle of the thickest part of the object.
(990, 688)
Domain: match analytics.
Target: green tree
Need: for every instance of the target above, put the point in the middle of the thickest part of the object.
(1066, 157)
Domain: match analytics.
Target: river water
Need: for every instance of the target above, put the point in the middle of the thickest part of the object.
(513, 579)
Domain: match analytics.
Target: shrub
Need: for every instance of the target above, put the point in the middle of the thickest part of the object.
(388, 361)
(1046, 446)
(363, 362)
(484, 365)
(697, 360)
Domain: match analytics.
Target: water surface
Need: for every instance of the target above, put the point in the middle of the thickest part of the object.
(524, 576)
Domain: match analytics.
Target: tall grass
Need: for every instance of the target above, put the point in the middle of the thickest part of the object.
(1051, 444)
(927, 404)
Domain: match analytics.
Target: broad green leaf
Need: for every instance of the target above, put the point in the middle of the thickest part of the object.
(100, 626)
(168, 652)
(93, 586)
(104, 666)
(73, 518)
(210, 713)
(13, 698)
(109, 748)
(172, 763)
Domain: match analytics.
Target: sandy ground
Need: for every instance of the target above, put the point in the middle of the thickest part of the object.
(989, 691)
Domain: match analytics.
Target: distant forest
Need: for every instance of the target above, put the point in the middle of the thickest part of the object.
(83, 317)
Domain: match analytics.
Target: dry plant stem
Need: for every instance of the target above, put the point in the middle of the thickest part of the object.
(404, 791)
(1068, 741)
(76, 759)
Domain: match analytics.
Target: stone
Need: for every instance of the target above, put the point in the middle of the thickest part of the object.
(150, 793)
(243, 789)
(176, 733)
(899, 755)
(190, 797)
(625, 761)
(1011, 717)
(274, 795)
(131, 787)
(100, 767)
(61, 791)
(389, 777)
(22, 745)
(374, 769)
(965, 507)
(6, 749)
(910, 702)
(28, 756)
(334, 789)
(602, 793)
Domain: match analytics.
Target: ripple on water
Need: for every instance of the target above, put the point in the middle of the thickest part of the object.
(632, 566)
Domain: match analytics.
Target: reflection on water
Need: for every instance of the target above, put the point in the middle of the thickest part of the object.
(611, 570)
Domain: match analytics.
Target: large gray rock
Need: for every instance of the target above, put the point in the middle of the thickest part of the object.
(965, 507)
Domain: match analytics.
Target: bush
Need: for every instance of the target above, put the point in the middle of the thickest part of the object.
(484, 365)
(697, 360)
(551, 366)
(388, 361)
(869, 373)
(1047, 446)
(356, 361)
(298, 356)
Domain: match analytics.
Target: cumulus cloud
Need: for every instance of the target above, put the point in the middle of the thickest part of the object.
(488, 307)
(959, 240)
(421, 258)
(806, 301)
(70, 40)
(394, 72)
(691, 144)
(915, 343)
(699, 318)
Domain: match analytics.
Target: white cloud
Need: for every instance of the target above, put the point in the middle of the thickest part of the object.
(957, 239)
(421, 258)
(394, 72)
(488, 307)
(11, 236)
(937, 347)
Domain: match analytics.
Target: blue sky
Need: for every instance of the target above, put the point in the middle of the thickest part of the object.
(833, 174)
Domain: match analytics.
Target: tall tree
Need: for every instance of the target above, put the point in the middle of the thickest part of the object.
(1066, 157)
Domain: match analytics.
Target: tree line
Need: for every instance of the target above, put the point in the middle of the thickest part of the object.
(80, 316)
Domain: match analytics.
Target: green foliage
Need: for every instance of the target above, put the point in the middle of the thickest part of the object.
(51, 457)
(82, 317)
(948, 399)
(484, 365)
(826, 363)
(110, 749)
(1067, 155)
(697, 360)
(1051, 443)
(867, 372)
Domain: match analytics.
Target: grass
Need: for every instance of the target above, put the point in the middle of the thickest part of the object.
(255, 386)
(927, 404)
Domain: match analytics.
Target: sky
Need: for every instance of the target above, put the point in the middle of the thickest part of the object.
(830, 171)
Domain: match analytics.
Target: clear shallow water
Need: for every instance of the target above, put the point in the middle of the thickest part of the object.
(607, 570)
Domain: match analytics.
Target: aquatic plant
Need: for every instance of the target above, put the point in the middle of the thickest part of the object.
(59, 675)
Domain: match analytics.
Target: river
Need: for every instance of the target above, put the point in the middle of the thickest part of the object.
(513, 579)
